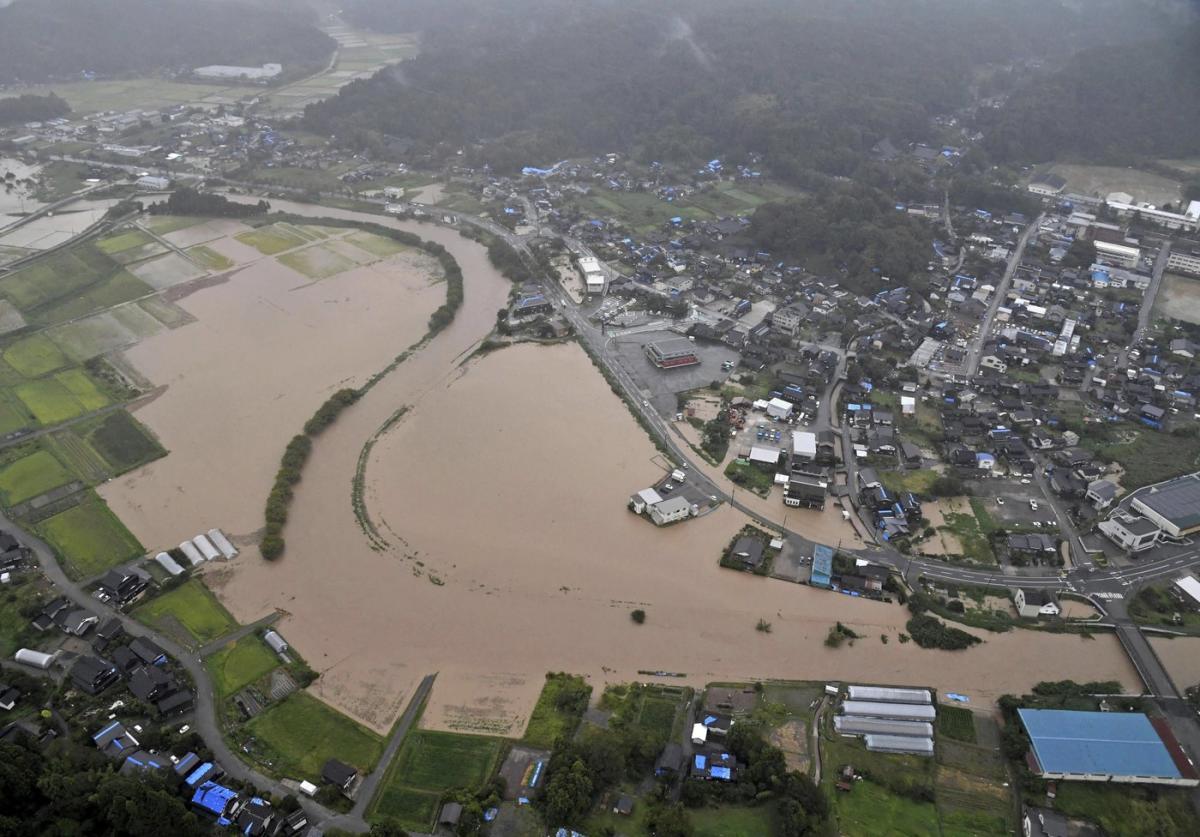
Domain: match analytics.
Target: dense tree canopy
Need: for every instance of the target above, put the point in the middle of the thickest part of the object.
(850, 230)
(1106, 105)
(29, 108)
(72, 791)
(812, 86)
(59, 39)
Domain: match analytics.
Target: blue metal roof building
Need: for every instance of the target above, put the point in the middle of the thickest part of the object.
(1099, 746)
(822, 567)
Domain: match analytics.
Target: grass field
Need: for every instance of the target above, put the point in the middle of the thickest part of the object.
(869, 810)
(918, 481)
(150, 93)
(1179, 298)
(123, 442)
(30, 476)
(956, 722)
(52, 277)
(121, 286)
(209, 258)
(241, 663)
(300, 734)
(15, 629)
(49, 401)
(35, 356)
(1153, 457)
(548, 722)
(1100, 180)
(270, 240)
(192, 606)
(89, 396)
(1129, 811)
(428, 764)
(90, 538)
(163, 224)
(122, 241)
(376, 245)
(12, 417)
(316, 262)
(734, 821)
(411, 808)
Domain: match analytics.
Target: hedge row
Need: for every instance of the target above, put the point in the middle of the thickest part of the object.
(296, 454)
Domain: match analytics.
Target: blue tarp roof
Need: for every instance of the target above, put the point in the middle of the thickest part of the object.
(721, 773)
(822, 565)
(1117, 743)
(213, 797)
(701, 762)
(199, 773)
(106, 729)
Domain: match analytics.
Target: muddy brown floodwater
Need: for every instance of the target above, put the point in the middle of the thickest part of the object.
(505, 550)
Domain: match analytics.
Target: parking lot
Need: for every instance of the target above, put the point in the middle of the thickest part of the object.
(662, 384)
(1008, 503)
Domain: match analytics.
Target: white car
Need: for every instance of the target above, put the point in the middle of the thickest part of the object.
(999, 501)
(1033, 506)
(1025, 481)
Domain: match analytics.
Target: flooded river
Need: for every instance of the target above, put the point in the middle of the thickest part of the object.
(504, 548)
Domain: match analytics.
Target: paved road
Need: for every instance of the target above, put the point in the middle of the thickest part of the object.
(233, 636)
(205, 715)
(366, 791)
(1146, 312)
(975, 351)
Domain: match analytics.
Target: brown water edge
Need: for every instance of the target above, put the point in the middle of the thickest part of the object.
(507, 479)
(1181, 657)
(507, 482)
(268, 346)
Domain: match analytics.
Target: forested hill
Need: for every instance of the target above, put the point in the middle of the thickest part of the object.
(58, 39)
(1107, 105)
(811, 84)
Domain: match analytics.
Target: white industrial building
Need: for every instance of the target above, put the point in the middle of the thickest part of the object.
(222, 543)
(1188, 262)
(764, 455)
(33, 658)
(886, 694)
(227, 72)
(899, 744)
(804, 445)
(1189, 220)
(168, 563)
(191, 553)
(153, 183)
(1190, 587)
(854, 725)
(780, 409)
(206, 548)
(1173, 505)
(892, 711)
(1121, 254)
(668, 511)
(277, 643)
(593, 274)
(1134, 534)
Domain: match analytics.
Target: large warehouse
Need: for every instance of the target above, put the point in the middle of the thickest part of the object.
(1104, 747)
(669, 354)
(1174, 505)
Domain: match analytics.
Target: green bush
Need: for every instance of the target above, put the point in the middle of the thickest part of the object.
(929, 632)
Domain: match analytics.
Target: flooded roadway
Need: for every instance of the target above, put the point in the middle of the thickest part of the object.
(509, 551)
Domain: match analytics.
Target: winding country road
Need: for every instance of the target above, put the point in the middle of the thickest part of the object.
(206, 717)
